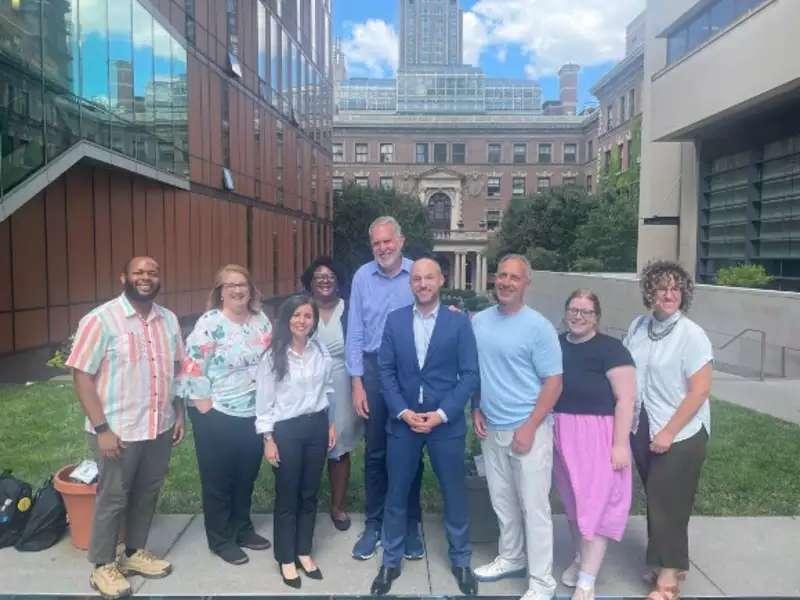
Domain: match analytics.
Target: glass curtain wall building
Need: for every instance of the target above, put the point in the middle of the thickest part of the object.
(102, 71)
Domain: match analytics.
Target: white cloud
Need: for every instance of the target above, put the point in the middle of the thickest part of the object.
(371, 49)
(550, 33)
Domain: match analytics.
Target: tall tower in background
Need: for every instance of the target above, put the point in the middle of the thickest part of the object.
(430, 33)
(568, 88)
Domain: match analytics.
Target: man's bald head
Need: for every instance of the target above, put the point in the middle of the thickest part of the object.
(426, 281)
(426, 263)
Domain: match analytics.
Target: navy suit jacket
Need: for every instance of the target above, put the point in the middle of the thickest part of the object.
(448, 377)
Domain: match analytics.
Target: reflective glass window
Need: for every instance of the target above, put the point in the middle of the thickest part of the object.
(274, 57)
(120, 59)
(20, 33)
(459, 154)
(261, 18)
(143, 83)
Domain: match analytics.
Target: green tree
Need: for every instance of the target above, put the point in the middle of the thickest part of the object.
(608, 237)
(545, 221)
(358, 206)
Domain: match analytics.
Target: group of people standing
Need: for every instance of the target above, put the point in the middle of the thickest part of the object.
(382, 358)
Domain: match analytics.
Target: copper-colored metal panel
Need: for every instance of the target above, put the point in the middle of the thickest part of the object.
(80, 235)
(120, 199)
(155, 222)
(208, 255)
(56, 232)
(28, 255)
(105, 272)
(196, 241)
(235, 127)
(77, 312)
(196, 114)
(5, 267)
(169, 265)
(139, 215)
(59, 324)
(6, 332)
(201, 12)
(184, 306)
(214, 121)
(183, 239)
(30, 329)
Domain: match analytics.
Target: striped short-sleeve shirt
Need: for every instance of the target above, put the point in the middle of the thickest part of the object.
(133, 363)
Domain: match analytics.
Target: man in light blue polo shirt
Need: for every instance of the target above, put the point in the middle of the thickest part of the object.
(520, 364)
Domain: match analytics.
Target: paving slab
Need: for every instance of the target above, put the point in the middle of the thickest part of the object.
(63, 569)
(748, 556)
(199, 572)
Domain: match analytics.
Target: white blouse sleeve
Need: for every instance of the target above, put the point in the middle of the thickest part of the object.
(697, 353)
(265, 395)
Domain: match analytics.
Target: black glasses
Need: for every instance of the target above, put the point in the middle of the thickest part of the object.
(324, 278)
(584, 312)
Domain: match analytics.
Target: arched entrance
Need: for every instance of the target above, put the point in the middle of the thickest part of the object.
(440, 208)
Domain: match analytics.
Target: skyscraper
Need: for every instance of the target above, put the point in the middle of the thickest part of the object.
(430, 33)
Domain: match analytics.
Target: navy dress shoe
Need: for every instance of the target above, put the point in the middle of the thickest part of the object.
(383, 581)
(466, 581)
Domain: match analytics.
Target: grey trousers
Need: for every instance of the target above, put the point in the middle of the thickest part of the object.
(127, 493)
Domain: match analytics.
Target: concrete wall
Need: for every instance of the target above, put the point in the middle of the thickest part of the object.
(721, 311)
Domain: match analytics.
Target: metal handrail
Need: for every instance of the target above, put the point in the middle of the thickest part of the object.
(763, 347)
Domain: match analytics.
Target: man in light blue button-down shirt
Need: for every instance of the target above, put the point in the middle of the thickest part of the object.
(378, 287)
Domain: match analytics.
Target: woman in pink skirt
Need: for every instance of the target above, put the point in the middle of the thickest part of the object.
(592, 458)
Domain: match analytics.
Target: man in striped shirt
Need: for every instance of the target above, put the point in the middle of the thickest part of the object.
(123, 361)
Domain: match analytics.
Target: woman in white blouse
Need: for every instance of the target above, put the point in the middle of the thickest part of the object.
(293, 412)
(673, 357)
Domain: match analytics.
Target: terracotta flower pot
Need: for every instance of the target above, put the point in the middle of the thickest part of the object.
(79, 500)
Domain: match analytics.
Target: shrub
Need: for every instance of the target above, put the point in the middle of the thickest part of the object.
(588, 264)
(543, 259)
(477, 303)
(744, 275)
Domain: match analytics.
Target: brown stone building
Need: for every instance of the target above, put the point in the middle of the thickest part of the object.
(196, 131)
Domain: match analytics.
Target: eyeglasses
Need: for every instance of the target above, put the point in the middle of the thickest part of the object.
(235, 286)
(584, 312)
(324, 278)
(662, 291)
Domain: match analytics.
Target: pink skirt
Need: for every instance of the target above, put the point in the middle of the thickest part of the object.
(595, 496)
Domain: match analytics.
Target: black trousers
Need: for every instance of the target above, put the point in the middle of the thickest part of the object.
(376, 479)
(302, 450)
(670, 482)
(229, 453)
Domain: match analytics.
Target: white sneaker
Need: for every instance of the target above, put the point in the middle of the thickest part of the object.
(534, 595)
(500, 568)
(582, 593)
(570, 577)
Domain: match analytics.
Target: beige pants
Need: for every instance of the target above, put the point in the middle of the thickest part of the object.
(519, 486)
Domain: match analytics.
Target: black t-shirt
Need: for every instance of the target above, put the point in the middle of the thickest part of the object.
(587, 390)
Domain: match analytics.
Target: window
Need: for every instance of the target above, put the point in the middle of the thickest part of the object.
(459, 154)
(623, 116)
(632, 103)
(440, 153)
(191, 30)
(362, 181)
(569, 180)
(518, 186)
(494, 153)
(494, 217)
(542, 184)
(590, 150)
(545, 153)
(609, 117)
(422, 153)
(387, 153)
(493, 187)
(621, 156)
(589, 182)
(337, 184)
(570, 153)
(628, 154)
(362, 152)
(338, 152)
(607, 161)
(387, 183)
(520, 153)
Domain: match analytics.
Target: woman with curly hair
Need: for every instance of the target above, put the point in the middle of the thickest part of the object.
(673, 357)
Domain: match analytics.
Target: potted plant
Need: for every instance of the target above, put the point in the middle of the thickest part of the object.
(483, 527)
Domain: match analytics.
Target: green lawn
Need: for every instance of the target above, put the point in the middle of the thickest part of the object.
(751, 469)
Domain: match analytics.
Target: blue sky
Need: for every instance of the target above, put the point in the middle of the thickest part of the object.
(507, 38)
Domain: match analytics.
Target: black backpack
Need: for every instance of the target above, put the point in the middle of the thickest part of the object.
(47, 522)
(15, 508)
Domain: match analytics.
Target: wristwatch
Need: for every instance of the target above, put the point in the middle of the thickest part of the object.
(101, 427)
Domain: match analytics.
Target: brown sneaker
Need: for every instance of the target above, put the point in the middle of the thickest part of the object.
(109, 582)
(144, 563)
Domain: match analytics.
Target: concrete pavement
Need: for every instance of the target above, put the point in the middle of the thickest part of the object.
(747, 556)
(776, 397)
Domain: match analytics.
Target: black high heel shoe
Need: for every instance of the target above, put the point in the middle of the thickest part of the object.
(315, 574)
(293, 583)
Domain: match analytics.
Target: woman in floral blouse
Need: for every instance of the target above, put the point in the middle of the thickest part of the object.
(218, 378)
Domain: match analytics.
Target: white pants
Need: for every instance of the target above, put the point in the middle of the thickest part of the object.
(519, 486)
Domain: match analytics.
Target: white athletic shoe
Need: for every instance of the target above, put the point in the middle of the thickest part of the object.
(500, 568)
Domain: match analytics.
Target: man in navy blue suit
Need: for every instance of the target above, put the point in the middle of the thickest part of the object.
(429, 369)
